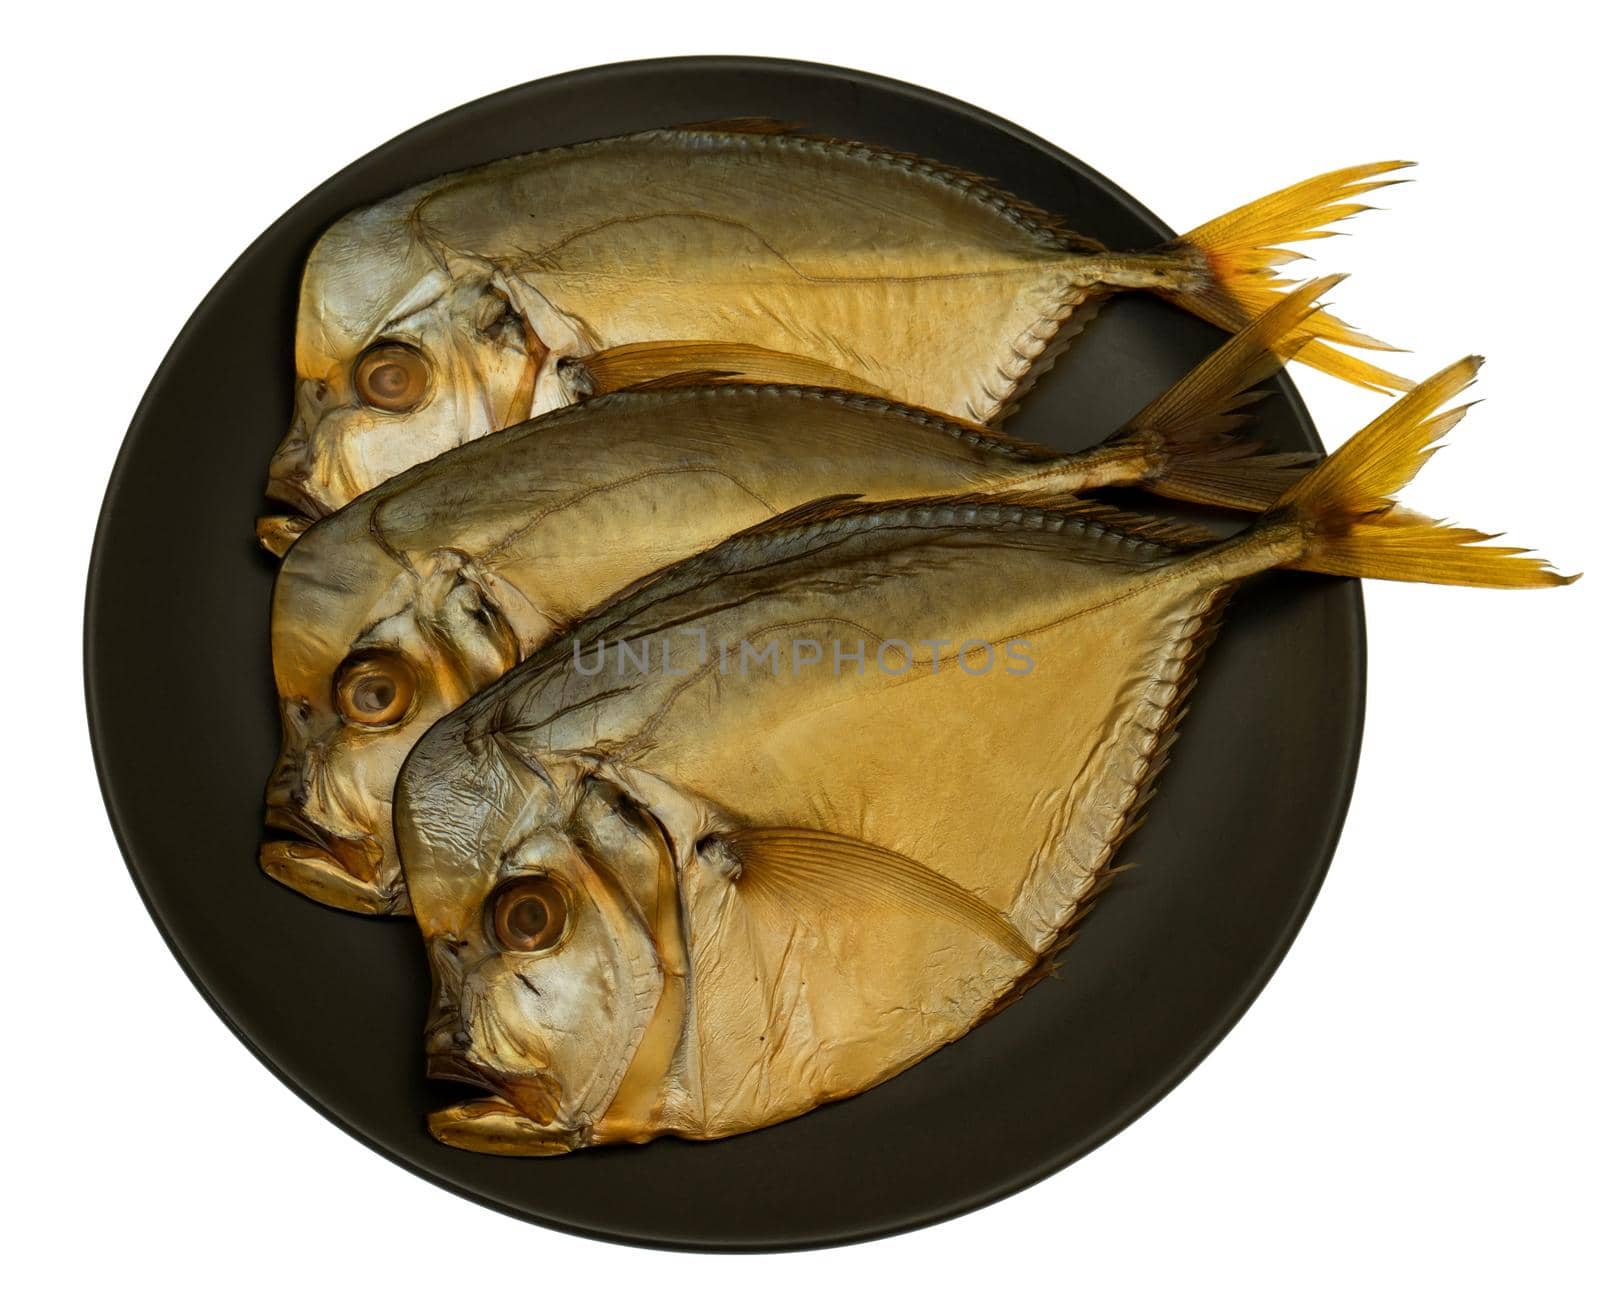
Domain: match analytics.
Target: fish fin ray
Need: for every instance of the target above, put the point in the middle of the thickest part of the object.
(1057, 502)
(1172, 534)
(1190, 428)
(675, 364)
(827, 508)
(1168, 695)
(1230, 476)
(732, 383)
(1226, 378)
(1243, 247)
(1353, 526)
(816, 872)
(962, 178)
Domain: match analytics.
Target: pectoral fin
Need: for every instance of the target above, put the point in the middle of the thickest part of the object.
(666, 364)
(813, 872)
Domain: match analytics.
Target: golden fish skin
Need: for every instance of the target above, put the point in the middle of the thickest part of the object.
(433, 586)
(448, 311)
(762, 889)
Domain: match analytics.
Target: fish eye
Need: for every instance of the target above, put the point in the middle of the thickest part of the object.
(392, 377)
(528, 914)
(375, 688)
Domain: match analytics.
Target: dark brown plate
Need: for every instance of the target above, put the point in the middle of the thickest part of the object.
(1236, 845)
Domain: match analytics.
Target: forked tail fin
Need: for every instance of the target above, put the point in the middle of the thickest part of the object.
(1243, 249)
(1353, 526)
(1187, 433)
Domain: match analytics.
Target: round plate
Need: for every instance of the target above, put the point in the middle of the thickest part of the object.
(1228, 863)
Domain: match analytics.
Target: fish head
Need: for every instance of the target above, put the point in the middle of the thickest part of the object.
(368, 650)
(543, 894)
(404, 349)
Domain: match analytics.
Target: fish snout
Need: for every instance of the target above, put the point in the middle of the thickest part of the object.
(289, 483)
(313, 397)
(289, 474)
(295, 789)
(444, 1041)
(287, 817)
(286, 786)
(446, 1031)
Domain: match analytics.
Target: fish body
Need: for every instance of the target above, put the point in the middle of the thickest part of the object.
(776, 793)
(796, 877)
(452, 309)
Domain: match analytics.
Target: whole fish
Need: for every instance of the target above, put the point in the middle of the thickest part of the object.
(722, 876)
(398, 608)
(451, 310)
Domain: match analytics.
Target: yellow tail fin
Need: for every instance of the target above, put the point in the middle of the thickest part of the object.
(1188, 430)
(1243, 248)
(1354, 527)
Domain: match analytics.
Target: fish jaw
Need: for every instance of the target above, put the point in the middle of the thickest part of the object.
(289, 483)
(315, 873)
(325, 876)
(289, 486)
(492, 1126)
(277, 532)
(517, 1118)
(340, 872)
(293, 473)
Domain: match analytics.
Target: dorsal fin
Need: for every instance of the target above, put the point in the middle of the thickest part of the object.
(729, 379)
(963, 178)
(679, 577)
(1134, 525)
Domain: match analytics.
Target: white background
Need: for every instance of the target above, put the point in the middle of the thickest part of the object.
(1410, 1107)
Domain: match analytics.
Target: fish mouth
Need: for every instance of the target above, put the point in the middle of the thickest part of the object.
(337, 872)
(292, 492)
(277, 532)
(458, 1069)
(514, 1119)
